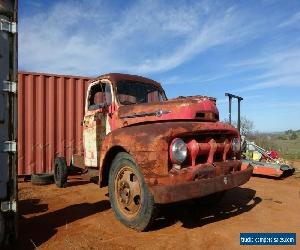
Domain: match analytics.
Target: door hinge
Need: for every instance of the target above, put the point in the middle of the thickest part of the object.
(10, 87)
(7, 206)
(8, 26)
(8, 147)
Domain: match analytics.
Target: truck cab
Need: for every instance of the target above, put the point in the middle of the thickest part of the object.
(150, 150)
(106, 98)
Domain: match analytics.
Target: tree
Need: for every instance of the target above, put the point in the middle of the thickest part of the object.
(293, 136)
(247, 126)
(288, 132)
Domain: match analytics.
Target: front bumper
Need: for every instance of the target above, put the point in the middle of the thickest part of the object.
(199, 187)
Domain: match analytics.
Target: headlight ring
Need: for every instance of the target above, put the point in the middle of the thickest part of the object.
(178, 151)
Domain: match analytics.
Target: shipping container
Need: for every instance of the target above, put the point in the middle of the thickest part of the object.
(8, 120)
(51, 109)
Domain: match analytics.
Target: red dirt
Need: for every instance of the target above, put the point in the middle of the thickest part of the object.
(80, 217)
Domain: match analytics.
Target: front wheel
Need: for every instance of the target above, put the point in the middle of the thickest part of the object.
(130, 198)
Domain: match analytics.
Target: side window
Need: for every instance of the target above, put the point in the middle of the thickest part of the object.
(100, 94)
(154, 96)
(108, 97)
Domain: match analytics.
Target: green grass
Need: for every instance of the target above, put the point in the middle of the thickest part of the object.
(288, 149)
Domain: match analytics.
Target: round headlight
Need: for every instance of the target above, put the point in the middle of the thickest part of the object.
(178, 151)
(236, 145)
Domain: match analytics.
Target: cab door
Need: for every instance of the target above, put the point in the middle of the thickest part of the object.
(95, 120)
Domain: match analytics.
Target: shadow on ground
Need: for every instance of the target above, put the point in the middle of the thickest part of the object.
(38, 229)
(74, 183)
(191, 214)
(32, 206)
(82, 180)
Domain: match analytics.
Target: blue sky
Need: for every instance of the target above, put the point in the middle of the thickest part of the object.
(248, 48)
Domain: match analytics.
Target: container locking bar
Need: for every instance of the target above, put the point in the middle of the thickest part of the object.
(10, 87)
(7, 26)
(8, 147)
(7, 206)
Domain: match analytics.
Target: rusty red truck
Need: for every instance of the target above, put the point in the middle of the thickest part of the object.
(150, 150)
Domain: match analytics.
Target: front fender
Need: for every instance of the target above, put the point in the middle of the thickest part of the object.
(149, 143)
(148, 147)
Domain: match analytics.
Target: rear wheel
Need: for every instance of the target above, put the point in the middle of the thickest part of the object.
(130, 198)
(60, 172)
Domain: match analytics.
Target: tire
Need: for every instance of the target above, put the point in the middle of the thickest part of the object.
(2, 229)
(211, 199)
(42, 179)
(129, 195)
(60, 172)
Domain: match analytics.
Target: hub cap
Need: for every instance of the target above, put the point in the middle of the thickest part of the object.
(128, 192)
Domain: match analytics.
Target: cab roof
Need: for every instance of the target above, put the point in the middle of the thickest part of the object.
(116, 77)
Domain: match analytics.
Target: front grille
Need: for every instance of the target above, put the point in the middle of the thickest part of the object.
(200, 115)
(207, 116)
(207, 148)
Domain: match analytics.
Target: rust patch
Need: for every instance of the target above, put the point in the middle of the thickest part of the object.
(145, 130)
(149, 143)
(200, 187)
(193, 108)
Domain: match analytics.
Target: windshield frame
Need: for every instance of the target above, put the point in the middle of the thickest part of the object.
(156, 86)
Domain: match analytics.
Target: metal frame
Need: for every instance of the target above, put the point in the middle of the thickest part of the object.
(230, 96)
(8, 144)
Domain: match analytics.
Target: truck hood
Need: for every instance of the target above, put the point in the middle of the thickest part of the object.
(200, 108)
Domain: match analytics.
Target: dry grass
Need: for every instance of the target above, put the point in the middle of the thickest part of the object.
(288, 149)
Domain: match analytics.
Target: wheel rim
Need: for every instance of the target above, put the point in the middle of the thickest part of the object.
(128, 192)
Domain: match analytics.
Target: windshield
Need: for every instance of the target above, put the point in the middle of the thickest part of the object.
(130, 92)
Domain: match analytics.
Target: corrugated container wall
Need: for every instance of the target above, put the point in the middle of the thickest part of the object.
(51, 109)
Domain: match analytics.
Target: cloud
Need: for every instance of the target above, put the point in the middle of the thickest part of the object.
(212, 33)
(289, 81)
(284, 105)
(90, 37)
(34, 3)
(293, 20)
(272, 69)
(223, 101)
(199, 80)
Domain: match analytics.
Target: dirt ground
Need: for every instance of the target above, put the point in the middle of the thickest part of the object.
(80, 217)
